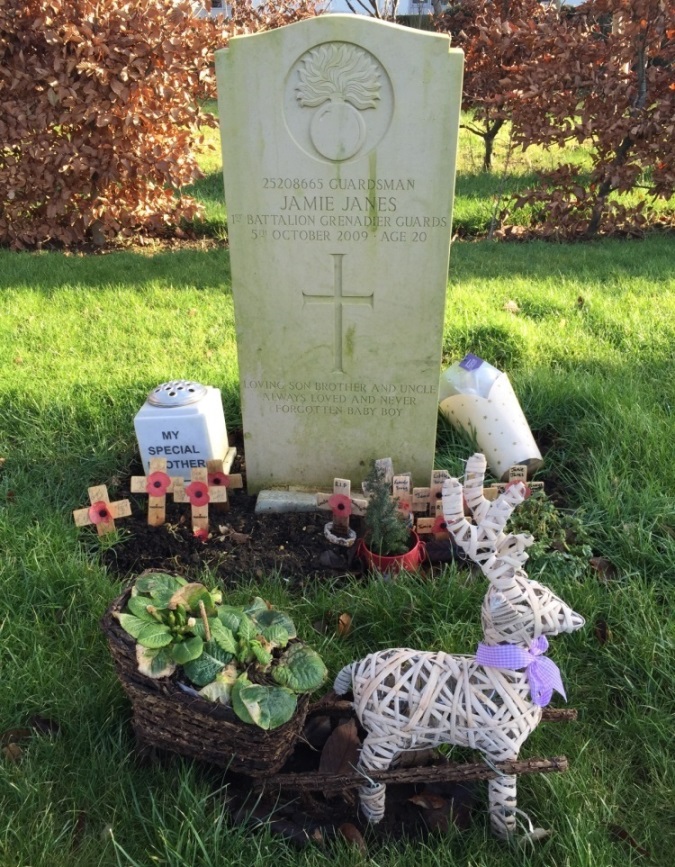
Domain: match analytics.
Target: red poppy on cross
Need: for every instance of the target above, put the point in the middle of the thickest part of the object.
(101, 513)
(157, 484)
(199, 494)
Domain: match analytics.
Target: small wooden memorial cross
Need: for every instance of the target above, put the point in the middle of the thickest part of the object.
(102, 513)
(402, 493)
(342, 505)
(517, 473)
(157, 484)
(431, 499)
(218, 475)
(199, 494)
(436, 492)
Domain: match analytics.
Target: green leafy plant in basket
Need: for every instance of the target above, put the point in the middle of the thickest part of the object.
(246, 657)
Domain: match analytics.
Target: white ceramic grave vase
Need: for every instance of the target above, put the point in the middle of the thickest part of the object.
(183, 422)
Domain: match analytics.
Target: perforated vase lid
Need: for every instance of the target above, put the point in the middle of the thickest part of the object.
(177, 392)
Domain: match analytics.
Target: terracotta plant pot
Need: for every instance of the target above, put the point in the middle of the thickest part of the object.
(410, 561)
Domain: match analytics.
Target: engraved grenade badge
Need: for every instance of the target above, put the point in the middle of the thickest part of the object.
(340, 81)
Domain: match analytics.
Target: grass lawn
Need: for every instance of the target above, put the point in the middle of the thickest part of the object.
(590, 353)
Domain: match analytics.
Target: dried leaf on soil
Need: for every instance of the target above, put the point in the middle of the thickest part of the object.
(445, 805)
(341, 750)
(228, 533)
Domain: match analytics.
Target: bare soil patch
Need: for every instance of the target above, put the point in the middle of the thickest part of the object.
(241, 544)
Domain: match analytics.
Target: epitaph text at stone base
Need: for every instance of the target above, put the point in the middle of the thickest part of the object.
(339, 144)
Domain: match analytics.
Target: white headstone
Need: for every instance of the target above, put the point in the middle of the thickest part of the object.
(339, 142)
(183, 422)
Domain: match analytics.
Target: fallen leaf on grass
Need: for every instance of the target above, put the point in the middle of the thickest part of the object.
(605, 568)
(621, 834)
(11, 739)
(14, 736)
(602, 631)
(344, 624)
(12, 753)
(352, 835)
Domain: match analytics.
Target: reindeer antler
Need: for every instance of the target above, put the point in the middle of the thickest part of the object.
(484, 540)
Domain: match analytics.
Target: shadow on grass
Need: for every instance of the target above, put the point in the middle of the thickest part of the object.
(600, 264)
(208, 189)
(84, 439)
(487, 185)
(178, 269)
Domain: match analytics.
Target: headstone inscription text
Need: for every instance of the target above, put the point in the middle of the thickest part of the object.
(339, 140)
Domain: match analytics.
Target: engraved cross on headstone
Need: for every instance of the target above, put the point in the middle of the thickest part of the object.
(338, 299)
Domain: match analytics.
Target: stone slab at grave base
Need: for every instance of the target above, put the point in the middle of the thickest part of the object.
(339, 139)
(279, 502)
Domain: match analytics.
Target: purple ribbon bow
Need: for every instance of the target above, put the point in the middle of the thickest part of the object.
(543, 674)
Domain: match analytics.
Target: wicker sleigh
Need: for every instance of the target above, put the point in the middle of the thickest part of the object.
(165, 716)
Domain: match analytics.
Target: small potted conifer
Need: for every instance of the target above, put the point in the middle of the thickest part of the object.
(389, 543)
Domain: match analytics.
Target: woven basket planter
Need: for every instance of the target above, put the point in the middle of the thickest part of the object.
(165, 716)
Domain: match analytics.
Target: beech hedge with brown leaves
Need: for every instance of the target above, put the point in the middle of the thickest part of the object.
(99, 113)
(99, 121)
(489, 35)
(602, 75)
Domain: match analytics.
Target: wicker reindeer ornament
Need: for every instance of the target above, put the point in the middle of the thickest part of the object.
(491, 701)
